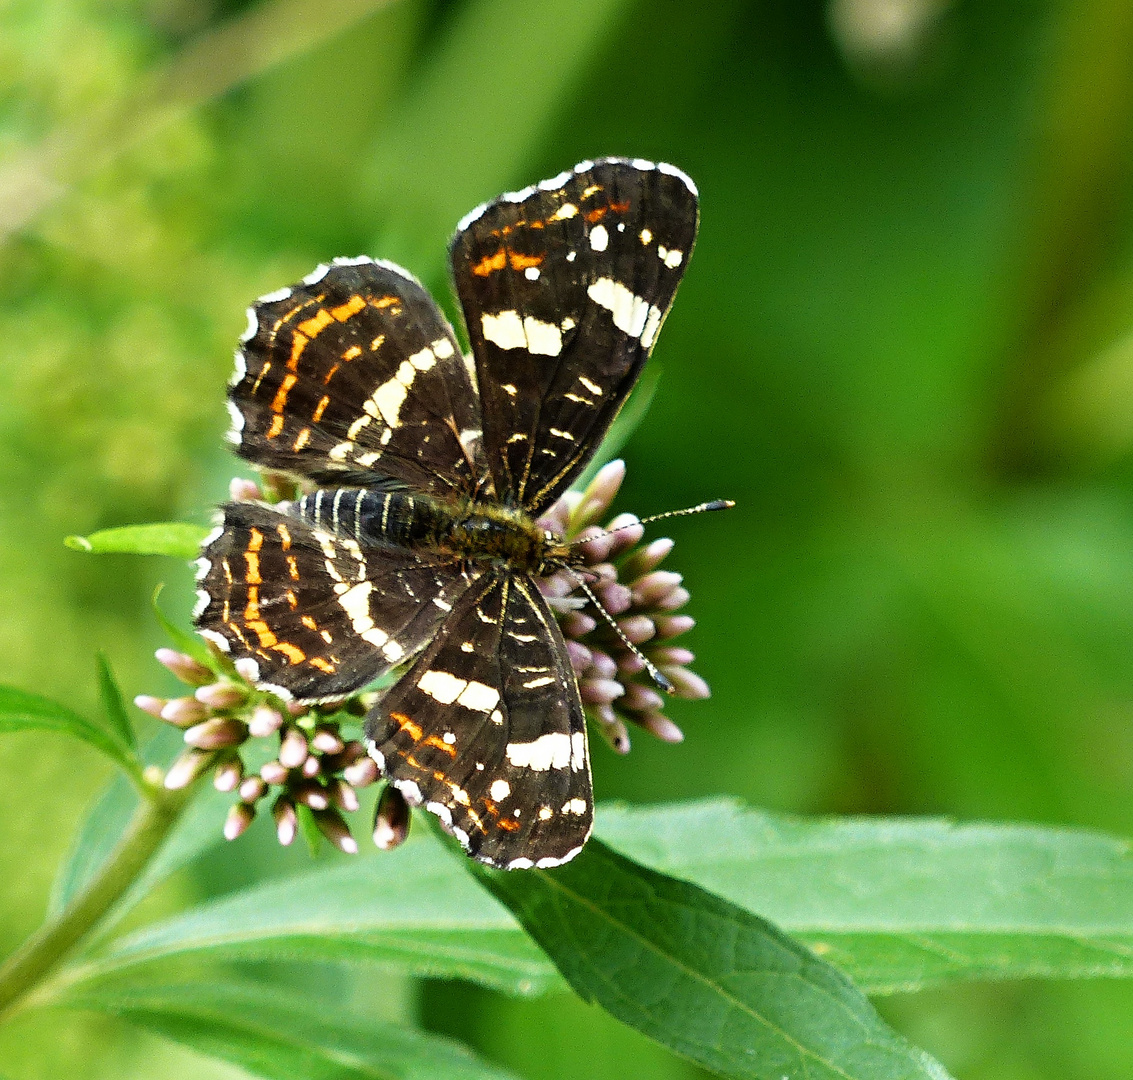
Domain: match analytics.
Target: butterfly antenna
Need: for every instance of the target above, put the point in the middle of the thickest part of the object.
(654, 672)
(700, 508)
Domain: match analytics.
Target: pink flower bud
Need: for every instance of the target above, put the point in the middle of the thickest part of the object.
(600, 691)
(228, 775)
(625, 531)
(686, 684)
(216, 734)
(286, 821)
(662, 728)
(241, 490)
(293, 749)
(578, 624)
(343, 795)
(672, 654)
(152, 705)
(326, 742)
(239, 817)
(615, 597)
(297, 708)
(248, 669)
(253, 789)
(312, 795)
(184, 712)
(361, 773)
(602, 666)
(335, 829)
(186, 769)
(637, 628)
(675, 598)
(265, 721)
(184, 667)
(641, 699)
(580, 656)
(670, 626)
(613, 728)
(273, 772)
(391, 819)
(311, 767)
(655, 586)
(220, 695)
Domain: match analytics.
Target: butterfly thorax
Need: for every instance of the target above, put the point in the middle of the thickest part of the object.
(462, 528)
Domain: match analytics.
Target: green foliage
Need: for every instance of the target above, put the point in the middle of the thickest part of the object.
(22, 711)
(709, 980)
(176, 538)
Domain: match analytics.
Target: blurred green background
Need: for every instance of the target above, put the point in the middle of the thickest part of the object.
(904, 347)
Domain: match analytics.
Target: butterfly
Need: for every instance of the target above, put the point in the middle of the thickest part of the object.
(426, 470)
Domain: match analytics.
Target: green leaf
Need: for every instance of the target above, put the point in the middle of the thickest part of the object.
(112, 704)
(187, 643)
(278, 1036)
(176, 538)
(902, 903)
(413, 909)
(703, 977)
(22, 711)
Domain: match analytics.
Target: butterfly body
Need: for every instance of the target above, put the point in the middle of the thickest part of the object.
(420, 548)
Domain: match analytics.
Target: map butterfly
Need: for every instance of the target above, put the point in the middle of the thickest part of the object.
(426, 470)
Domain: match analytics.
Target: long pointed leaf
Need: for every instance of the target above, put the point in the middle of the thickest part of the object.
(280, 1037)
(176, 538)
(902, 903)
(112, 705)
(23, 711)
(700, 975)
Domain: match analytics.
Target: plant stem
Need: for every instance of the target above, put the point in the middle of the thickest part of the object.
(51, 943)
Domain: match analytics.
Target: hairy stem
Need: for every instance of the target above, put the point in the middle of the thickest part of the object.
(52, 942)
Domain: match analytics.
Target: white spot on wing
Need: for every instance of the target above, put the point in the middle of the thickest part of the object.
(599, 238)
(629, 312)
(441, 686)
(219, 640)
(274, 297)
(672, 170)
(499, 790)
(508, 331)
(237, 418)
(531, 273)
(317, 275)
(550, 751)
(567, 210)
(252, 327)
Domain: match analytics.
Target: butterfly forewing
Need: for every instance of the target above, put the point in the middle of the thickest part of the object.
(319, 615)
(564, 288)
(355, 371)
(487, 729)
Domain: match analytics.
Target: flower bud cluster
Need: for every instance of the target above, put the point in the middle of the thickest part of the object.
(613, 668)
(314, 766)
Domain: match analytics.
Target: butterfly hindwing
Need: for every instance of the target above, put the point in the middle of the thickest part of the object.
(354, 371)
(487, 729)
(319, 615)
(564, 287)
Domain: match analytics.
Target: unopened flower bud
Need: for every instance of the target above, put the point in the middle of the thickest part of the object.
(312, 795)
(184, 667)
(265, 721)
(216, 734)
(361, 773)
(333, 826)
(672, 654)
(612, 727)
(220, 695)
(152, 705)
(326, 742)
(660, 726)
(638, 628)
(686, 684)
(391, 819)
(646, 558)
(670, 626)
(186, 769)
(641, 699)
(343, 795)
(241, 490)
(293, 749)
(253, 789)
(649, 590)
(625, 531)
(674, 599)
(297, 708)
(600, 691)
(580, 656)
(183, 712)
(239, 817)
(272, 772)
(247, 668)
(578, 624)
(286, 821)
(615, 597)
(311, 767)
(602, 666)
(228, 775)
(598, 495)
